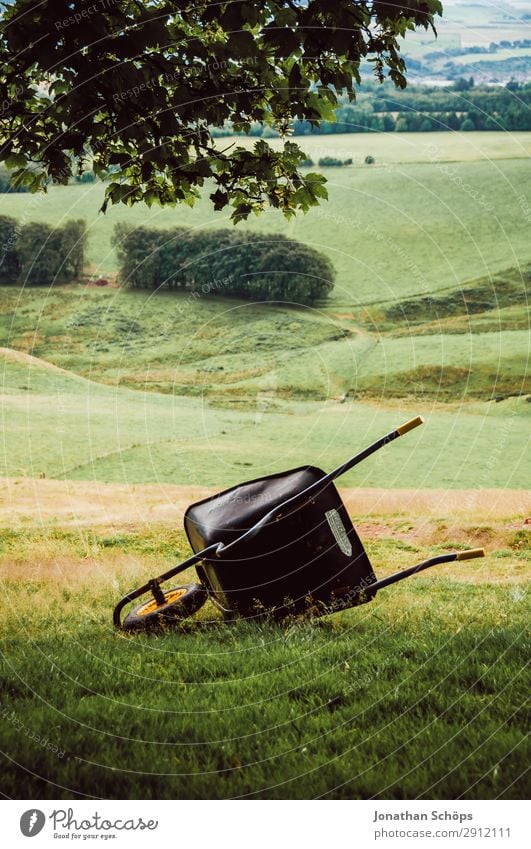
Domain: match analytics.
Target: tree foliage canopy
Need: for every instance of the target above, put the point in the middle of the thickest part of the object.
(135, 87)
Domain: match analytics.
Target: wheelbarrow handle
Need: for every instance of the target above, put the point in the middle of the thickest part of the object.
(426, 564)
(319, 484)
(384, 440)
(409, 425)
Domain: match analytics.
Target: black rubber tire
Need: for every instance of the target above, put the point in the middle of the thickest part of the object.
(181, 602)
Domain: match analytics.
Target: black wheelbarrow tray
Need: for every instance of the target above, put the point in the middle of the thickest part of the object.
(282, 544)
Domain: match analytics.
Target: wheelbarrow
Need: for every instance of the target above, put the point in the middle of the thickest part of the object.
(279, 545)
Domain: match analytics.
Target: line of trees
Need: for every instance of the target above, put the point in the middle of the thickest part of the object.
(39, 254)
(252, 266)
(464, 106)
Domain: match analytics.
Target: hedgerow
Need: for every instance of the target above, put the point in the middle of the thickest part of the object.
(258, 267)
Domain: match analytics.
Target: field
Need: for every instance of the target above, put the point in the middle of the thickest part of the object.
(62, 426)
(499, 56)
(417, 221)
(119, 408)
(420, 694)
(465, 25)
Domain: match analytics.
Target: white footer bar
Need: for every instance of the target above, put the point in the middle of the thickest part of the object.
(265, 824)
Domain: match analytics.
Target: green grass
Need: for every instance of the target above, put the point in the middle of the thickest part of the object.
(468, 342)
(63, 426)
(509, 289)
(465, 364)
(465, 343)
(419, 694)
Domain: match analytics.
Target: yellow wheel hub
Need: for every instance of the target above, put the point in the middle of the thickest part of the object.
(153, 605)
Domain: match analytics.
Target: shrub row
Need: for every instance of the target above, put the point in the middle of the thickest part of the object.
(333, 162)
(259, 267)
(40, 254)
(326, 161)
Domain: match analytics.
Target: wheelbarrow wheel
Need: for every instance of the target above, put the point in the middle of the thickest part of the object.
(179, 603)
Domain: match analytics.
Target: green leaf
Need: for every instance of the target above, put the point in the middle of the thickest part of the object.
(15, 160)
(241, 44)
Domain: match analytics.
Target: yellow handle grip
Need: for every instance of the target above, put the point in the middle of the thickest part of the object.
(469, 555)
(405, 428)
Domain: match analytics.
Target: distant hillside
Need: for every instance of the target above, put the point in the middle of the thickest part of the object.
(489, 41)
(460, 343)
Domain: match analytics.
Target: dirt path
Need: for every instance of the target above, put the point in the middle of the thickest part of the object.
(31, 502)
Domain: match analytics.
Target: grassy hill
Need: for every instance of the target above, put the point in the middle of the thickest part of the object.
(435, 210)
(429, 314)
(63, 426)
(469, 342)
(464, 25)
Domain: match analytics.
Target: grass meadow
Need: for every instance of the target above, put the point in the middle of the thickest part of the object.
(62, 426)
(121, 407)
(420, 694)
(435, 210)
